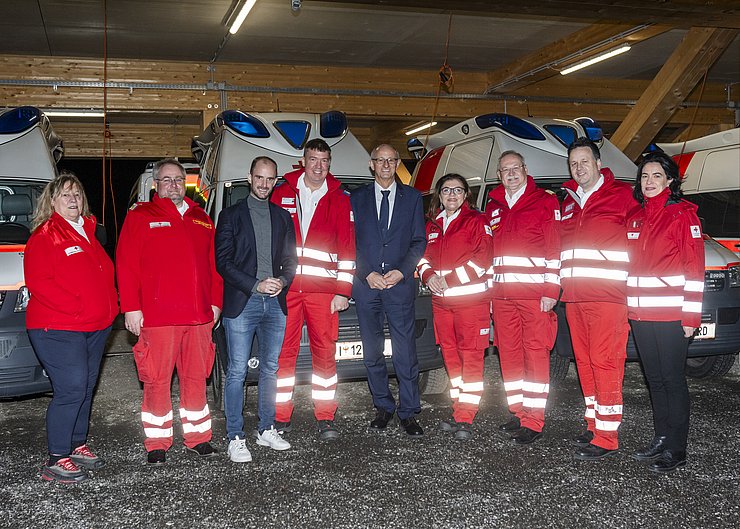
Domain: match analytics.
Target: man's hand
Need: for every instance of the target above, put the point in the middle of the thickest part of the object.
(547, 304)
(270, 286)
(216, 313)
(688, 332)
(392, 278)
(437, 284)
(338, 304)
(134, 320)
(376, 281)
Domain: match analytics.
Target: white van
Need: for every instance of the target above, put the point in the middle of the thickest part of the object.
(225, 151)
(29, 152)
(472, 148)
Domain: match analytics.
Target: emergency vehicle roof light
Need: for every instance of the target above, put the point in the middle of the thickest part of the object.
(592, 128)
(19, 119)
(295, 132)
(511, 124)
(333, 124)
(565, 134)
(244, 124)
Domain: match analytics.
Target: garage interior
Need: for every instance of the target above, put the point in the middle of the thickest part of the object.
(144, 77)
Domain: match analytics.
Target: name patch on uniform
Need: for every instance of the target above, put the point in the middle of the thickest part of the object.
(633, 235)
(696, 232)
(495, 221)
(72, 250)
(201, 223)
(290, 210)
(496, 212)
(163, 224)
(569, 215)
(288, 200)
(433, 236)
(557, 214)
(485, 331)
(568, 208)
(488, 230)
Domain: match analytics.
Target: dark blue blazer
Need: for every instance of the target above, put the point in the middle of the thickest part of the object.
(401, 250)
(236, 254)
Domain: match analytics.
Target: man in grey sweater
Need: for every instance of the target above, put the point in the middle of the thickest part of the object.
(256, 255)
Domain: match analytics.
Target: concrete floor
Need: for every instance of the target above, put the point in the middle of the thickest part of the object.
(366, 480)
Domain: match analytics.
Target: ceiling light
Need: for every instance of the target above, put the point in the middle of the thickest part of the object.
(74, 113)
(594, 60)
(246, 8)
(420, 128)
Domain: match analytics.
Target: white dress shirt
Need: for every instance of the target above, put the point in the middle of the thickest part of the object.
(391, 200)
(309, 200)
(447, 220)
(585, 195)
(511, 200)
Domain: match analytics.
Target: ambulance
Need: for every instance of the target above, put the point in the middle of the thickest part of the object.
(29, 152)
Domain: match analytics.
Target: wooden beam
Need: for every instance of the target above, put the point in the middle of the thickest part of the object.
(700, 48)
(547, 61)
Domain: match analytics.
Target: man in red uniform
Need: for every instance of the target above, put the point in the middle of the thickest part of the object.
(171, 296)
(526, 285)
(593, 275)
(325, 242)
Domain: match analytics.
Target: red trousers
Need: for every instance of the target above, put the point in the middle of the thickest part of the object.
(157, 353)
(599, 333)
(462, 333)
(524, 337)
(322, 326)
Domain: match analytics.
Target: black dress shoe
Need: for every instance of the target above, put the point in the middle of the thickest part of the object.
(203, 450)
(593, 453)
(526, 436)
(511, 426)
(649, 453)
(583, 439)
(381, 420)
(156, 457)
(410, 427)
(668, 461)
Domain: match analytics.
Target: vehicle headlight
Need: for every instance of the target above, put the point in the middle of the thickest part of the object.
(21, 301)
(734, 273)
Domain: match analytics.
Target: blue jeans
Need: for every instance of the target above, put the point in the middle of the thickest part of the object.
(261, 316)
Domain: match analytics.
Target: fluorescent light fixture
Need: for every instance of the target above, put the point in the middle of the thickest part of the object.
(420, 128)
(594, 60)
(246, 8)
(73, 113)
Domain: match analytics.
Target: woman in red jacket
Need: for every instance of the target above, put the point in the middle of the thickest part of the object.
(72, 306)
(455, 267)
(664, 295)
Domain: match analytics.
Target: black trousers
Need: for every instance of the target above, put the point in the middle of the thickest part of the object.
(662, 348)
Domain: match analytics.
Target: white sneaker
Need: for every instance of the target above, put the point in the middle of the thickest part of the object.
(238, 451)
(272, 439)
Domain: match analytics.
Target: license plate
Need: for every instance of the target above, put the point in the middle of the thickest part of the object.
(353, 350)
(705, 332)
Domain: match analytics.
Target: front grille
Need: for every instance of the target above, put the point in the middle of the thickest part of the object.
(7, 345)
(714, 280)
(16, 375)
(707, 316)
(351, 332)
(728, 316)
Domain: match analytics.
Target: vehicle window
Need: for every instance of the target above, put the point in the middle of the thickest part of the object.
(475, 191)
(470, 159)
(234, 193)
(720, 212)
(564, 134)
(486, 198)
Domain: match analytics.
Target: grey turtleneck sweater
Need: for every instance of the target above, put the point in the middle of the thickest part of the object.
(259, 210)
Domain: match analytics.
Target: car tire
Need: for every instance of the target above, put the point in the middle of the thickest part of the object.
(433, 382)
(709, 366)
(559, 366)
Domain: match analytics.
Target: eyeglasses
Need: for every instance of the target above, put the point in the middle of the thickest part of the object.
(510, 170)
(452, 190)
(178, 180)
(383, 161)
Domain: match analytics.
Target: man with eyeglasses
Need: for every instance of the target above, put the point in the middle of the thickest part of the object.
(390, 235)
(325, 241)
(526, 285)
(171, 296)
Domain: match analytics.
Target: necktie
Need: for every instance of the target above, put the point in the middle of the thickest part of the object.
(384, 213)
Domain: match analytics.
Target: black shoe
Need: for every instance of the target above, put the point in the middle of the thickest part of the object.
(156, 457)
(583, 439)
(652, 452)
(526, 436)
(381, 420)
(593, 453)
(464, 431)
(512, 426)
(283, 427)
(668, 461)
(327, 431)
(203, 450)
(410, 427)
(448, 425)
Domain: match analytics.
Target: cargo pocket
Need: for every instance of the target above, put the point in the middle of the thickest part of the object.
(141, 357)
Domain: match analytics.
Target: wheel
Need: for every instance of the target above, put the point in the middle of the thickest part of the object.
(559, 366)
(433, 382)
(219, 365)
(709, 366)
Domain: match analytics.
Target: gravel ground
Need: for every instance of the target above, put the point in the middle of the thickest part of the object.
(372, 480)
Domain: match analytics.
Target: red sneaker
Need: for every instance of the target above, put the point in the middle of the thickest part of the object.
(63, 471)
(83, 457)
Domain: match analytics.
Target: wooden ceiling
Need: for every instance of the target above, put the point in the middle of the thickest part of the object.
(170, 66)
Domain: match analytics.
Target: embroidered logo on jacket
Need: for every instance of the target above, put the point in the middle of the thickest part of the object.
(557, 214)
(72, 250)
(696, 232)
(633, 235)
(201, 223)
(163, 224)
(432, 236)
(288, 200)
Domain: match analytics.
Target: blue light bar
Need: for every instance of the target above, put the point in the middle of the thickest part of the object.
(564, 133)
(296, 132)
(511, 124)
(19, 119)
(244, 124)
(592, 128)
(333, 124)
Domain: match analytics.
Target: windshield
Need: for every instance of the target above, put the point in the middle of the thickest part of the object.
(17, 203)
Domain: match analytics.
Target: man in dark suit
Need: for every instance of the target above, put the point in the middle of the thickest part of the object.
(256, 255)
(390, 237)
